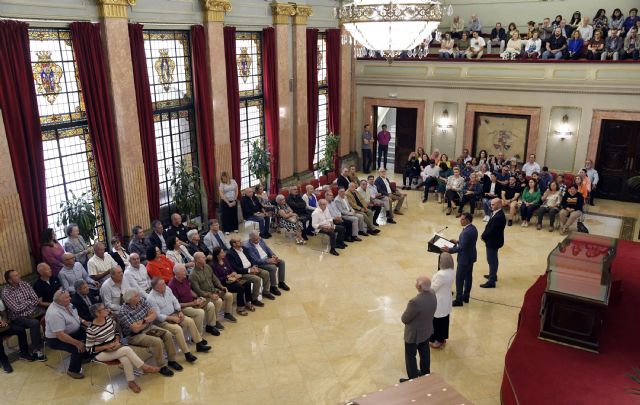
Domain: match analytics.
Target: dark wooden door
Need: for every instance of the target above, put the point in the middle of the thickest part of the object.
(618, 159)
(406, 121)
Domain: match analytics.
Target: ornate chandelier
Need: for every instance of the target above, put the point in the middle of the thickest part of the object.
(393, 27)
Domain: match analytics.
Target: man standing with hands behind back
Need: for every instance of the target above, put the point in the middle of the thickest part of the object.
(367, 140)
(384, 137)
(467, 255)
(493, 237)
(418, 327)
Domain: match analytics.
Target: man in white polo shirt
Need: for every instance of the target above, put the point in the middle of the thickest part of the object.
(100, 264)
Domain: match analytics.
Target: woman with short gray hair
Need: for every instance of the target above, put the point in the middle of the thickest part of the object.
(442, 283)
(75, 244)
(104, 341)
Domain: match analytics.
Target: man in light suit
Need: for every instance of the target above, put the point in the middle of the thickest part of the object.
(467, 255)
(262, 256)
(418, 327)
(493, 237)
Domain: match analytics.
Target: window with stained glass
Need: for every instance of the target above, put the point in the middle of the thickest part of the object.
(169, 68)
(322, 130)
(249, 62)
(68, 152)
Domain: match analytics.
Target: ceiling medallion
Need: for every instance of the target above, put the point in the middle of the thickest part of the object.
(165, 66)
(244, 64)
(47, 75)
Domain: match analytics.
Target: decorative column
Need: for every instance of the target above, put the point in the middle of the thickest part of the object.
(281, 13)
(214, 12)
(13, 239)
(115, 38)
(346, 82)
(300, 131)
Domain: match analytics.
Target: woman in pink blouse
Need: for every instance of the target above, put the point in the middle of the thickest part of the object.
(52, 251)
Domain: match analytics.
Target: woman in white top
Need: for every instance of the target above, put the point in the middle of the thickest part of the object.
(514, 47)
(441, 284)
(228, 203)
(446, 46)
(550, 204)
(178, 253)
(533, 46)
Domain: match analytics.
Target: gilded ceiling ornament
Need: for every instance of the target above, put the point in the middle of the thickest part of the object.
(47, 74)
(165, 66)
(244, 64)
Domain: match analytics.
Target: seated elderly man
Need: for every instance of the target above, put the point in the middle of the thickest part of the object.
(196, 244)
(322, 221)
(24, 310)
(64, 331)
(360, 206)
(177, 228)
(297, 204)
(215, 237)
(100, 264)
(137, 244)
(136, 319)
(252, 210)
(241, 264)
(8, 329)
(366, 197)
(510, 196)
(262, 256)
(206, 285)
(341, 202)
(310, 198)
(193, 306)
(350, 223)
(379, 200)
(73, 271)
(136, 276)
(172, 319)
(82, 301)
(384, 187)
(111, 291)
(343, 180)
(46, 285)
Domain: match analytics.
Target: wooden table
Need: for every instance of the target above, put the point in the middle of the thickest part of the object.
(429, 389)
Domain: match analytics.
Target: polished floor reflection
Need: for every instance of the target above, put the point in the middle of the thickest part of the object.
(337, 334)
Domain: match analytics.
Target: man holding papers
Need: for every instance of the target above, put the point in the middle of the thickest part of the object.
(467, 255)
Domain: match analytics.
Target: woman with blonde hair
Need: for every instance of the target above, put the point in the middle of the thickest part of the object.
(441, 283)
(228, 203)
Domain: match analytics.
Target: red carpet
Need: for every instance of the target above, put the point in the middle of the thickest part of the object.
(539, 372)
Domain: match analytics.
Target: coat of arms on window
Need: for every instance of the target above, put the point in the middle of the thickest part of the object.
(47, 74)
(165, 66)
(244, 64)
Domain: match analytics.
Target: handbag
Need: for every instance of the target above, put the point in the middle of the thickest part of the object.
(155, 332)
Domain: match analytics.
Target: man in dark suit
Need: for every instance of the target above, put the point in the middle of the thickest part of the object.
(241, 264)
(467, 255)
(262, 256)
(493, 237)
(82, 300)
(418, 327)
(343, 180)
(177, 228)
(158, 236)
(252, 210)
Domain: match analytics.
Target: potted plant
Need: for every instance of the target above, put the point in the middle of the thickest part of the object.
(82, 211)
(185, 186)
(259, 162)
(325, 165)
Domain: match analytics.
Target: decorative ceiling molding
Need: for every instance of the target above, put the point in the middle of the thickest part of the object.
(114, 8)
(215, 10)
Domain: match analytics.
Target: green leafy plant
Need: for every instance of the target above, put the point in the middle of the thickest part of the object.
(325, 164)
(259, 161)
(635, 377)
(185, 186)
(82, 211)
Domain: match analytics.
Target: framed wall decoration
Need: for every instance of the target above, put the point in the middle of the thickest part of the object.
(506, 133)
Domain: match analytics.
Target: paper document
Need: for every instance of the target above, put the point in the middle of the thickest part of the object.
(442, 243)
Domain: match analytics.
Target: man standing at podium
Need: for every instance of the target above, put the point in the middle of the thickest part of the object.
(418, 327)
(467, 255)
(493, 237)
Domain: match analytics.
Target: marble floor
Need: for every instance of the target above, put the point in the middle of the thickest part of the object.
(337, 334)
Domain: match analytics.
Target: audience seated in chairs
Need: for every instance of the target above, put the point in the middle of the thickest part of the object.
(137, 243)
(103, 341)
(197, 245)
(379, 199)
(351, 224)
(241, 264)
(136, 276)
(8, 329)
(51, 250)
(82, 301)
(157, 237)
(310, 198)
(100, 263)
(453, 193)
(252, 210)
(297, 204)
(550, 204)
(323, 222)
(384, 187)
(215, 237)
(490, 189)
(233, 282)
(177, 228)
(158, 265)
(289, 221)
(572, 206)
(111, 291)
(411, 171)
(530, 202)
(264, 258)
(207, 285)
(365, 197)
(118, 253)
(46, 284)
(471, 193)
(360, 206)
(510, 196)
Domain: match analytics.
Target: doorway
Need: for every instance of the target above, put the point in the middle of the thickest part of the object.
(401, 123)
(618, 159)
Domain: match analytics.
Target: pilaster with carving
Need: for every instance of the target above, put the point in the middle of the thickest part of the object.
(281, 12)
(215, 10)
(301, 14)
(114, 8)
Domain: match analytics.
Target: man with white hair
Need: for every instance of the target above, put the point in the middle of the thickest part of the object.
(136, 276)
(196, 244)
(418, 327)
(203, 312)
(322, 221)
(111, 290)
(240, 263)
(343, 180)
(365, 196)
(360, 206)
(350, 223)
(215, 237)
(73, 271)
(262, 256)
(384, 187)
(252, 210)
(172, 319)
(100, 264)
(136, 319)
(341, 202)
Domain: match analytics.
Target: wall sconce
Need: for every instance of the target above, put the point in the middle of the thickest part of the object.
(564, 129)
(444, 124)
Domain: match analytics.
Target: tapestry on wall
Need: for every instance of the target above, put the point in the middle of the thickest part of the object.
(506, 133)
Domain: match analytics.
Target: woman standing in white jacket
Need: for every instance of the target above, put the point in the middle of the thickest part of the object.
(442, 283)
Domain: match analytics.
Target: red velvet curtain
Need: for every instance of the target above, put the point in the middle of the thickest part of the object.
(87, 47)
(312, 92)
(22, 125)
(204, 115)
(271, 105)
(333, 83)
(233, 99)
(145, 119)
